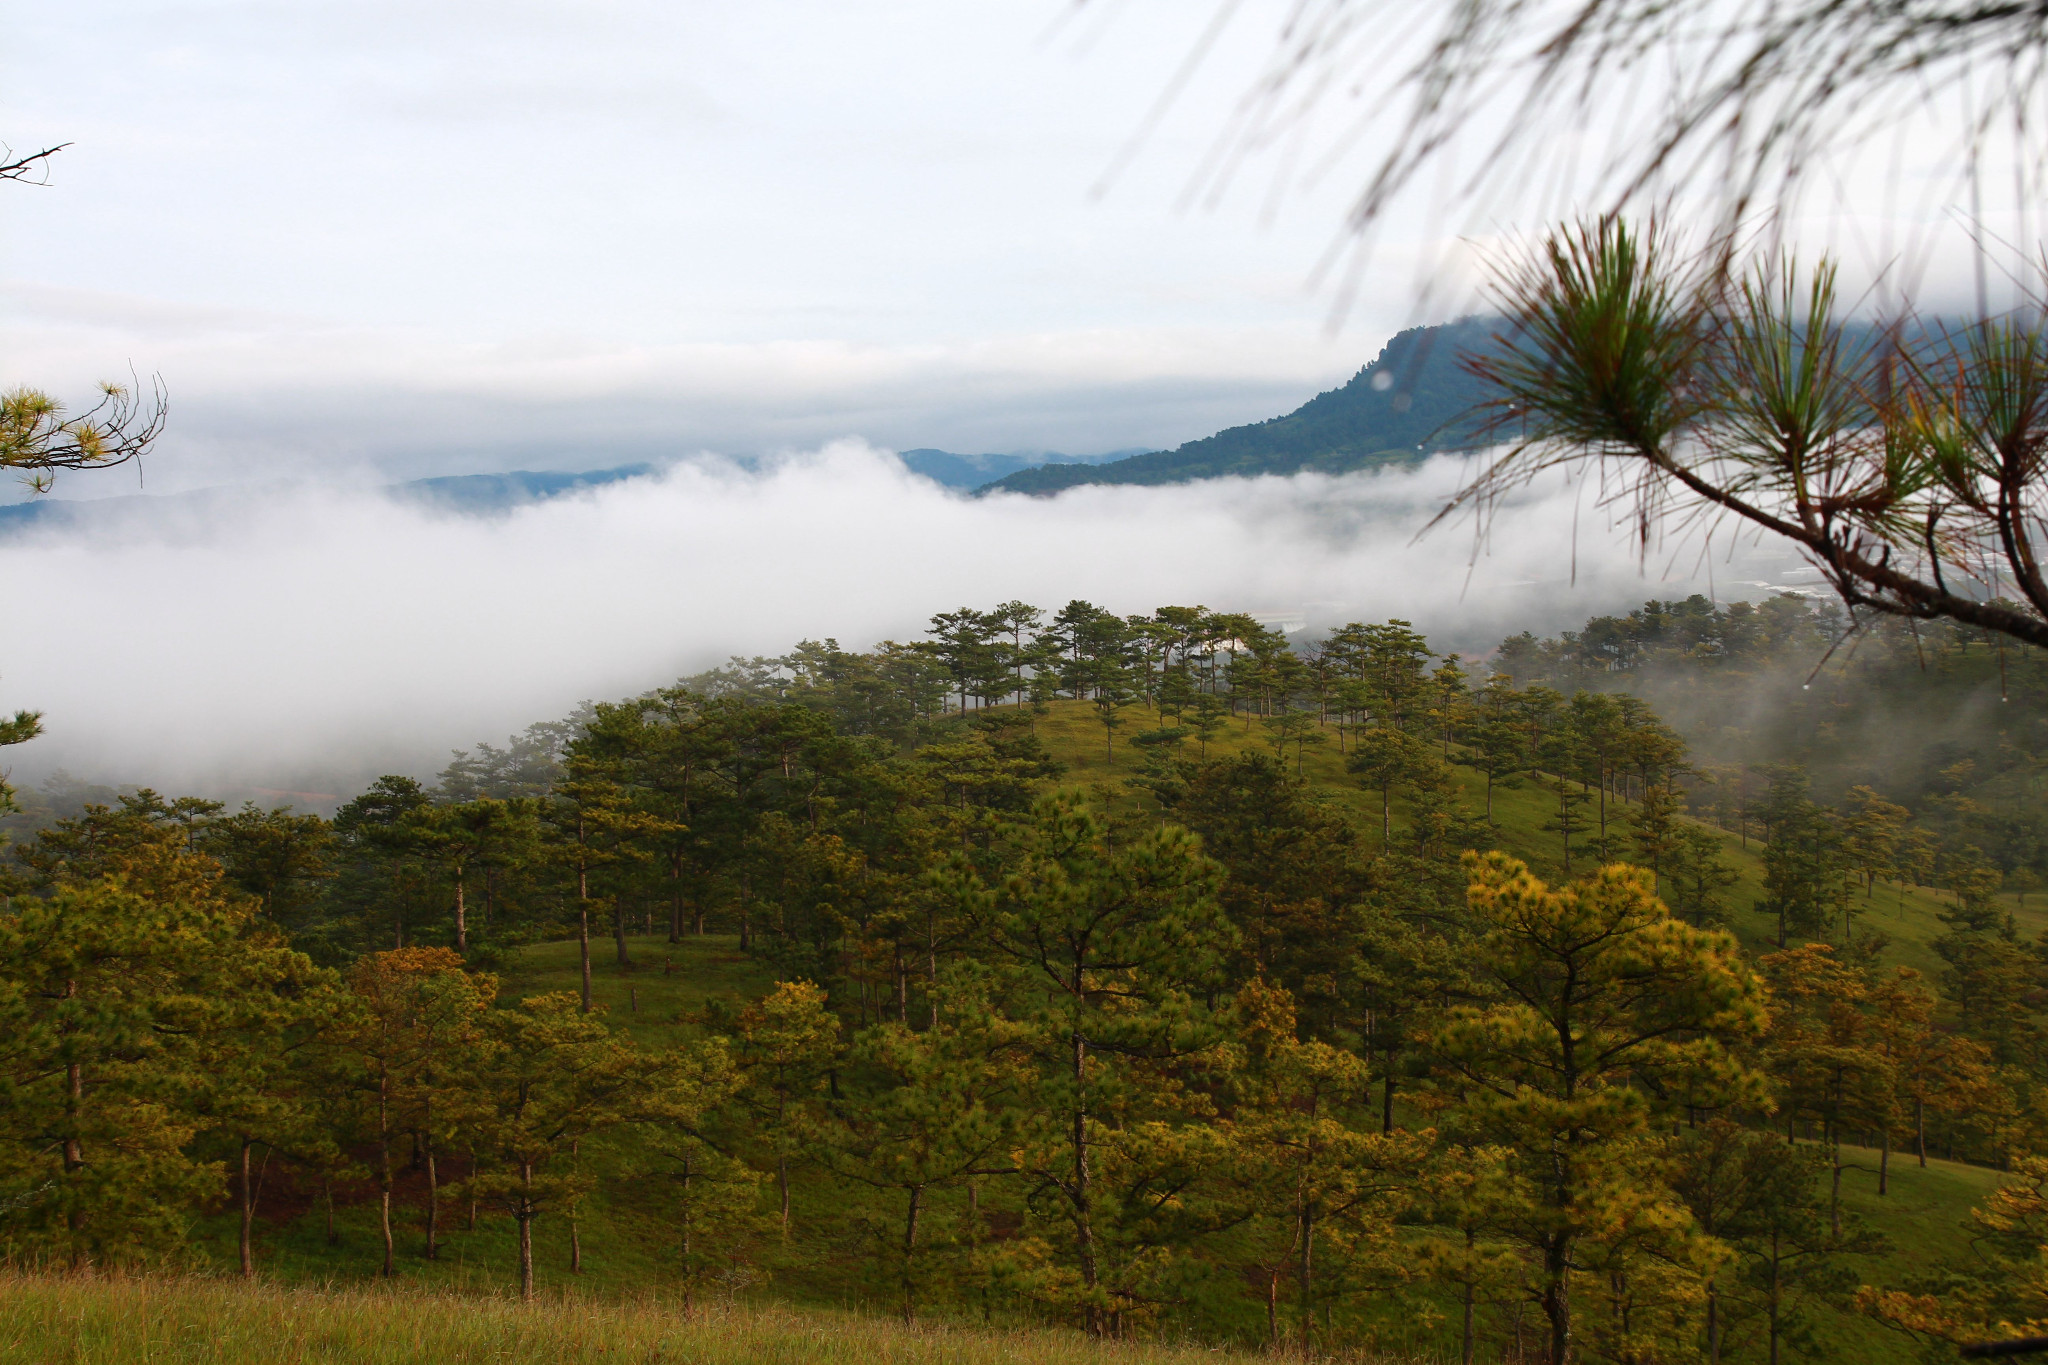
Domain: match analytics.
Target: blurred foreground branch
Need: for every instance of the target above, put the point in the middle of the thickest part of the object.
(1905, 461)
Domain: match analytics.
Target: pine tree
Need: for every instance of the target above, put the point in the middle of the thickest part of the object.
(1610, 1013)
(1112, 950)
(1825, 1052)
(934, 1110)
(1385, 757)
(788, 1043)
(111, 1000)
(1316, 1187)
(1872, 831)
(1746, 1189)
(460, 836)
(414, 1015)
(548, 1076)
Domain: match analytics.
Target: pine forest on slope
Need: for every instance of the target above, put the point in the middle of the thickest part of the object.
(818, 1060)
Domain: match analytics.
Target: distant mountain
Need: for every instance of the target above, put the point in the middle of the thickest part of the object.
(484, 494)
(1412, 400)
(462, 494)
(497, 492)
(972, 471)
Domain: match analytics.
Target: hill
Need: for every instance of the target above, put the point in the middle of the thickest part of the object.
(461, 494)
(972, 471)
(486, 494)
(1414, 398)
(474, 493)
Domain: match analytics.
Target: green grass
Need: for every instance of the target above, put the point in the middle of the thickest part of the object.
(194, 1321)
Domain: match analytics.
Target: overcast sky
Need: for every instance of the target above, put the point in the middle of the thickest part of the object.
(446, 234)
(363, 241)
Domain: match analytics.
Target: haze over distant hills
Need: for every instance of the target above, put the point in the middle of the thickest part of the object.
(973, 471)
(484, 494)
(1412, 400)
(460, 493)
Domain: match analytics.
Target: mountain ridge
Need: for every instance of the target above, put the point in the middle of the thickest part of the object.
(1412, 400)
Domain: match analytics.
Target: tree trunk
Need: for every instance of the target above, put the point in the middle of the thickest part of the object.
(1773, 1300)
(1304, 1272)
(1557, 1299)
(931, 960)
(1884, 1161)
(675, 903)
(1466, 1342)
(1835, 1184)
(525, 1217)
(248, 1211)
(461, 918)
(1920, 1129)
(1084, 1226)
(619, 931)
(1603, 814)
(583, 947)
(433, 1205)
(74, 1119)
(910, 1254)
(384, 1172)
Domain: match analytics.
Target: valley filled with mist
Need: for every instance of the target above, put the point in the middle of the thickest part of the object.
(308, 639)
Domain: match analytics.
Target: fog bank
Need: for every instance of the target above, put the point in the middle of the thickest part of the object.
(307, 639)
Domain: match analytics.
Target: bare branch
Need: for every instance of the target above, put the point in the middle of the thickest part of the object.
(33, 170)
(36, 436)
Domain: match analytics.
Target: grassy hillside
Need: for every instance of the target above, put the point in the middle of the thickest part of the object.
(628, 1242)
(202, 1322)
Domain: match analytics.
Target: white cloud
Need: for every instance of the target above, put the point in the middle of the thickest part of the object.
(290, 639)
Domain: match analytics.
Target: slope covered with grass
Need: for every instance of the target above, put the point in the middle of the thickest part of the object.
(210, 1322)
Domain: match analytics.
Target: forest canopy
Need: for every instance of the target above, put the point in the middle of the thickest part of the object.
(1153, 974)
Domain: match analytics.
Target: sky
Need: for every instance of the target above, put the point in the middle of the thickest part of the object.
(447, 235)
(362, 239)
(368, 241)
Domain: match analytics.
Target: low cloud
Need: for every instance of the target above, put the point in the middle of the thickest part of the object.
(307, 639)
